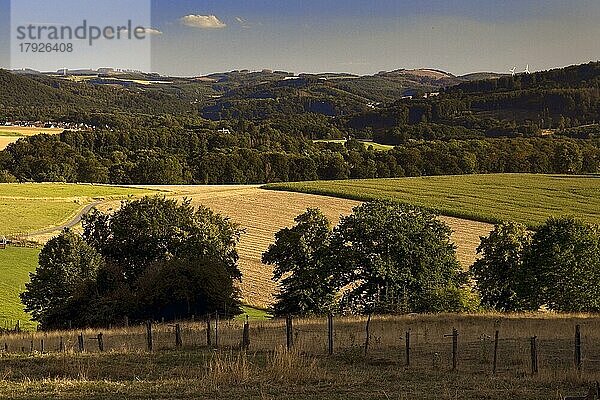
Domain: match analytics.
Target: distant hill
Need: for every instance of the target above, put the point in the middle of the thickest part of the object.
(477, 76)
(259, 95)
(543, 103)
(28, 97)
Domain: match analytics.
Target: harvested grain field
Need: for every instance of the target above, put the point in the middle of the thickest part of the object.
(264, 212)
(28, 130)
(6, 140)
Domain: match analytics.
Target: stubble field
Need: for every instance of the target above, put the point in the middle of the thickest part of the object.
(262, 213)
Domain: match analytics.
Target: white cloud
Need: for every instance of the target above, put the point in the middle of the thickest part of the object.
(147, 31)
(153, 31)
(202, 21)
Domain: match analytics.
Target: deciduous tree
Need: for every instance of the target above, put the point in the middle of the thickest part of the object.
(299, 256)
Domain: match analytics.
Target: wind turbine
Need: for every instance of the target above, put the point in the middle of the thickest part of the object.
(527, 70)
(513, 70)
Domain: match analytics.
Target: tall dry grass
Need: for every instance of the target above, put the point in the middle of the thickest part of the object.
(430, 347)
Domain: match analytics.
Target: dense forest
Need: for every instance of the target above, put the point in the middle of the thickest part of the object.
(189, 157)
(562, 102)
(267, 123)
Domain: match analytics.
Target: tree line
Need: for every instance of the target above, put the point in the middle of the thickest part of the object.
(156, 258)
(174, 156)
(391, 258)
(556, 267)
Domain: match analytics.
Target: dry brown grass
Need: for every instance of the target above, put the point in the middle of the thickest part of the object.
(555, 333)
(267, 370)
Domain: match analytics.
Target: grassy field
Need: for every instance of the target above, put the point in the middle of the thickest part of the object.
(28, 207)
(525, 198)
(376, 146)
(267, 371)
(27, 130)
(15, 265)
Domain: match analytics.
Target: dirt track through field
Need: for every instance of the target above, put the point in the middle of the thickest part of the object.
(263, 212)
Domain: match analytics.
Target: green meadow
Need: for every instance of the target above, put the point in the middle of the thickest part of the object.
(525, 198)
(15, 265)
(25, 208)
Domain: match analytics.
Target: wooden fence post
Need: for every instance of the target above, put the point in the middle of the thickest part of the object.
(407, 348)
(6, 347)
(149, 335)
(495, 352)
(126, 321)
(534, 356)
(454, 336)
(100, 342)
(61, 346)
(216, 329)
(454, 348)
(42, 346)
(330, 334)
(208, 331)
(80, 342)
(31, 347)
(178, 341)
(368, 335)
(578, 347)
(246, 335)
(289, 332)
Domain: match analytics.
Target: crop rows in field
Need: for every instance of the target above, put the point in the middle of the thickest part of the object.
(262, 213)
(525, 198)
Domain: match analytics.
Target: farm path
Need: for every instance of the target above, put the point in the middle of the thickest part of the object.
(261, 213)
(70, 224)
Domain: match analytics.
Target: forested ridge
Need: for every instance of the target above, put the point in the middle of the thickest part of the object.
(563, 102)
(541, 123)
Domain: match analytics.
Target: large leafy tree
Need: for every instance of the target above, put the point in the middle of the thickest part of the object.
(154, 257)
(165, 259)
(561, 269)
(299, 255)
(498, 269)
(185, 287)
(390, 257)
(156, 229)
(66, 266)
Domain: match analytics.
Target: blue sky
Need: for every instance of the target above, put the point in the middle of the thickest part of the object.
(361, 36)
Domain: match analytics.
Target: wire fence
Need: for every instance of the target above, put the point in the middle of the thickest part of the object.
(525, 346)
